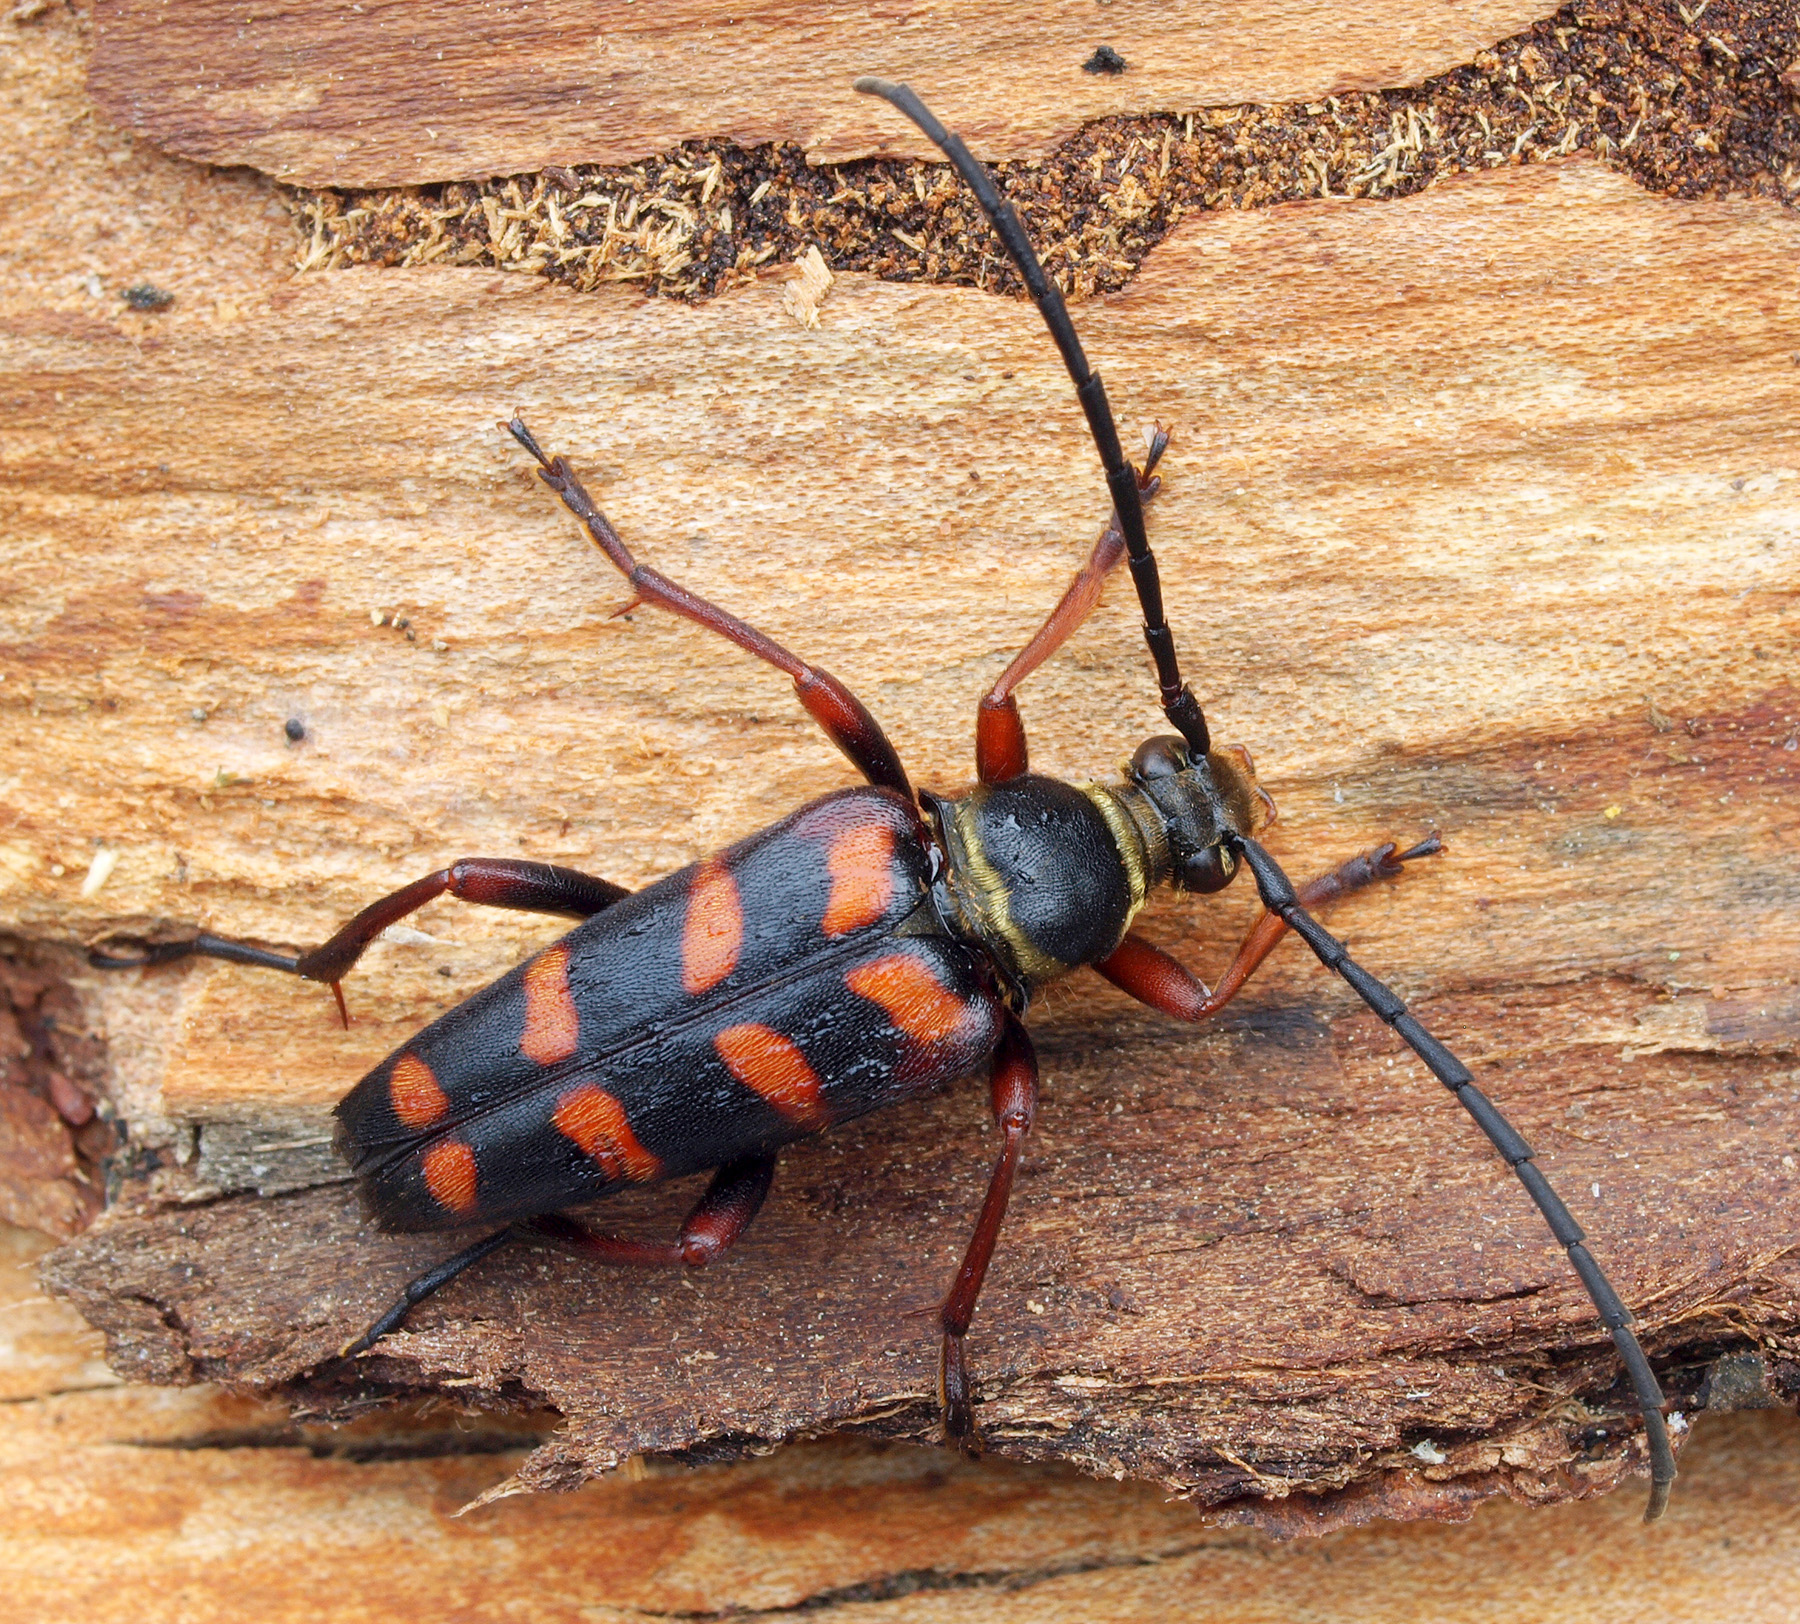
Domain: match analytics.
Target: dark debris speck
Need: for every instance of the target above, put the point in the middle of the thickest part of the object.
(1104, 60)
(147, 296)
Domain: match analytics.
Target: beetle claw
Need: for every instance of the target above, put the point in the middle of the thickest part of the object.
(961, 1433)
(1430, 846)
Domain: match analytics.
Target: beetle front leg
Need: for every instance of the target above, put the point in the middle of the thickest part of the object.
(493, 882)
(1015, 1086)
(1153, 977)
(1000, 751)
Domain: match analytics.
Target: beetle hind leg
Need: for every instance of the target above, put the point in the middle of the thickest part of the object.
(428, 1284)
(719, 1219)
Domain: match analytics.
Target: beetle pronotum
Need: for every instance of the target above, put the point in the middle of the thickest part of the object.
(877, 943)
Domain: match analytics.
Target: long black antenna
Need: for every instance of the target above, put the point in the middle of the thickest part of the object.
(1178, 701)
(1180, 706)
(1278, 897)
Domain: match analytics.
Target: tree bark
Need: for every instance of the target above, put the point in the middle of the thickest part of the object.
(124, 1504)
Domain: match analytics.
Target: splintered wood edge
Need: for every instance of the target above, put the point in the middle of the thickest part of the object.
(830, 1524)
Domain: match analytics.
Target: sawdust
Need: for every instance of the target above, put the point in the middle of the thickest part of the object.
(1691, 102)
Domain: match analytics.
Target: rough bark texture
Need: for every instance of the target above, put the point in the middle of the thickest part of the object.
(124, 1504)
(327, 94)
(51, 1071)
(1481, 517)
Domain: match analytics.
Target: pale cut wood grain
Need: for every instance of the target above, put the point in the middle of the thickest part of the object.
(1475, 496)
(116, 1502)
(331, 94)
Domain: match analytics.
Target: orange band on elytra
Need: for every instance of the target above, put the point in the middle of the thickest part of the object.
(414, 1093)
(713, 930)
(552, 1028)
(762, 1059)
(917, 1003)
(596, 1122)
(450, 1175)
(861, 863)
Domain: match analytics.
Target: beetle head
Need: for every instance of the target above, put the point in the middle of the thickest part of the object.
(1202, 801)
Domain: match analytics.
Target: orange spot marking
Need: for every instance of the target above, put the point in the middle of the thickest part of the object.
(450, 1175)
(762, 1059)
(714, 930)
(861, 861)
(917, 1003)
(552, 1028)
(414, 1093)
(597, 1123)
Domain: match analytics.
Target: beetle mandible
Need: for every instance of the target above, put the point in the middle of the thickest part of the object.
(876, 944)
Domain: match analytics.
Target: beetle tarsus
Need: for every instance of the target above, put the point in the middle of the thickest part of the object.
(1431, 846)
(422, 1286)
(516, 428)
(140, 954)
(956, 1401)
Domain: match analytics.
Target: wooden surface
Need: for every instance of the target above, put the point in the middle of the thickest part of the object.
(332, 94)
(1480, 517)
(143, 1505)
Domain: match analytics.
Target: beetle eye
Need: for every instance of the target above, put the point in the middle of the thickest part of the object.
(1211, 870)
(1161, 757)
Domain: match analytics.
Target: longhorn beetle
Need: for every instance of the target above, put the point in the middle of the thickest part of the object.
(874, 945)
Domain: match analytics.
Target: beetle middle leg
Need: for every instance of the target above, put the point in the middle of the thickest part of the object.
(1015, 1087)
(718, 1221)
(847, 722)
(1155, 978)
(492, 882)
(719, 1218)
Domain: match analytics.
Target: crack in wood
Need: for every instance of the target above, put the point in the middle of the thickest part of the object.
(925, 1581)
